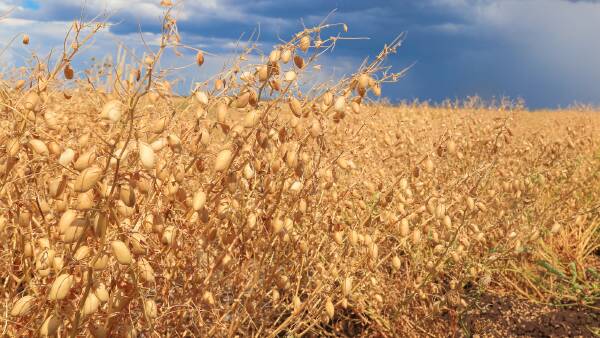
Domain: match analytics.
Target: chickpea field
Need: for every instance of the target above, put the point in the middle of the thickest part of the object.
(267, 203)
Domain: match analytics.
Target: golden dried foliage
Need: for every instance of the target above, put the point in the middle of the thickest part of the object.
(250, 208)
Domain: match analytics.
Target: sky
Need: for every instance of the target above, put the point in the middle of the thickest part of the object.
(544, 51)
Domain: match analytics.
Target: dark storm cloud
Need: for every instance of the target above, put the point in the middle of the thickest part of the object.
(543, 50)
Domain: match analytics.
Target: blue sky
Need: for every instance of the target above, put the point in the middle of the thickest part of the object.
(546, 51)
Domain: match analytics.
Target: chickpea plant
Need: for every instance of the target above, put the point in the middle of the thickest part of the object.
(258, 206)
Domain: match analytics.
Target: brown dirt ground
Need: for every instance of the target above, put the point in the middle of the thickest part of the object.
(495, 316)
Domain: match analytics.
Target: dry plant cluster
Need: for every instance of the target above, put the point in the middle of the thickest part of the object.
(257, 206)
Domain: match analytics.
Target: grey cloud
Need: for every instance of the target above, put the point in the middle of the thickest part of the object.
(543, 50)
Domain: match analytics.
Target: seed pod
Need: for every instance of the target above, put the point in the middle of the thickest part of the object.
(396, 263)
(19, 85)
(291, 158)
(340, 104)
(355, 107)
(221, 112)
(276, 225)
(138, 243)
(159, 125)
(275, 296)
(85, 160)
(87, 179)
(353, 237)
(274, 56)
(428, 165)
(174, 142)
(28, 250)
(22, 306)
(52, 121)
(223, 160)
(376, 89)
(149, 61)
(145, 270)
(43, 243)
(338, 237)
(100, 224)
(248, 172)
(296, 187)
(61, 287)
(247, 77)
(112, 110)
(199, 58)
(199, 200)
(127, 195)
(12, 147)
(347, 286)
(121, 252)
(296, 303)
(363, 81)
(286, 55)
(66, 220)
(58, 263)
(68, 72)
(416, 236)
(263, 73)
(219, 84)
(374, 251)
(81, 253)
(75, 231)
(85, 200)
(251, 119)
(50, 326)
(251, 220)
(24, 218)
(150, 308)
(404, 228)
(440, 211)
(470, 203)
(147, 156)
(101, 293)
(168, 235)
(242, 100)
(290, 76)
(204, 137)
(202, 97)
(328, 99)
(447, 221)
(159, 144)
(451, 146)
(66, 157)
(304, 43)
(329, 308)
(315, 128)
(299, 61)
(481, 206)
(39, 147)
(208, 298)
(25, 39)
(101, 263)
(91, 304)
(275, 84)
(295, 106)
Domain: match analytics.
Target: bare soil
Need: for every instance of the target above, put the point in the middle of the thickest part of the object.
(495, 316)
